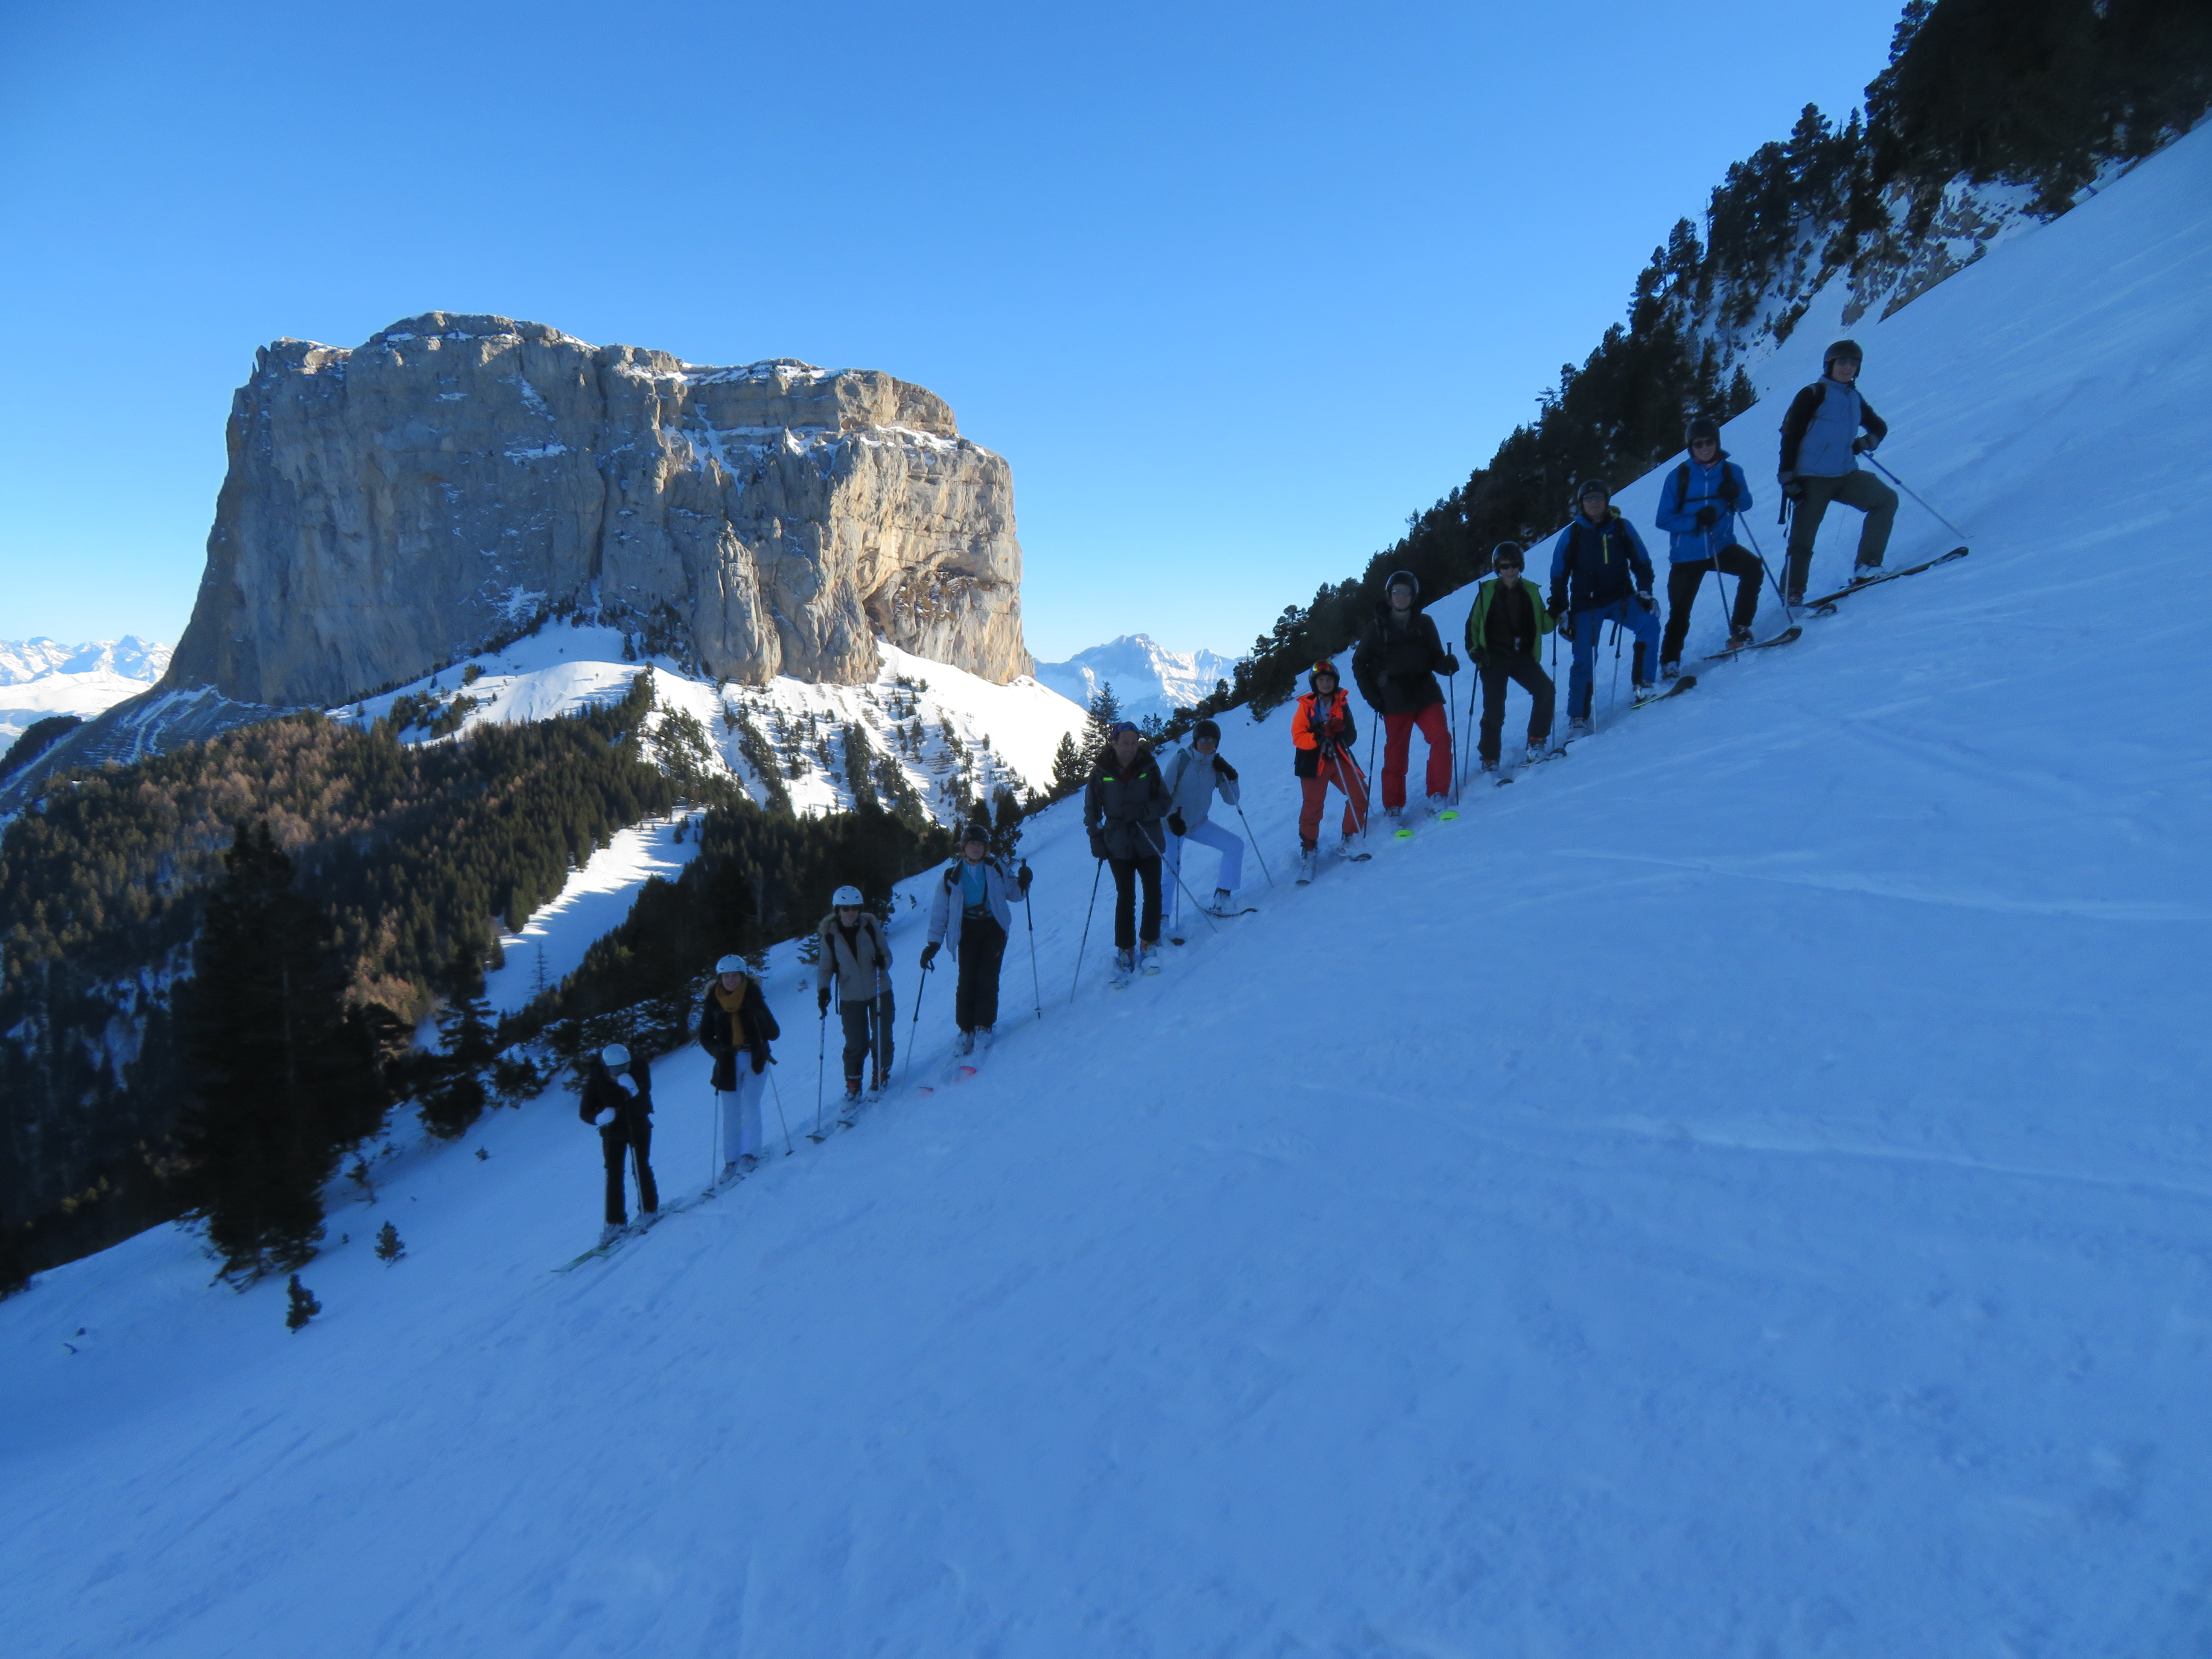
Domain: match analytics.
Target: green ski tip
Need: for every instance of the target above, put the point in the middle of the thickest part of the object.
(1446, 817)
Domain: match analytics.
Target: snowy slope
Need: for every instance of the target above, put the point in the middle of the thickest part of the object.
(1000, 735)
(1742, 1190)
(1146, 677)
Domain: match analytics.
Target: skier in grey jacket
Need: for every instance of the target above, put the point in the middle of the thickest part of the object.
(972, 909)
(856, 954)
(1193, 775)
(1820, 449)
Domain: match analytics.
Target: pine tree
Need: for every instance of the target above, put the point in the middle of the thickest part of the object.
(388, 1246)
(1067, 770)
(1098, 729)
(281, 1075)
(302, 1305)
(466, 1044)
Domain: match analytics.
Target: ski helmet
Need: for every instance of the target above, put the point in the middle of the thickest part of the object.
(846, 898)
(1701, 428)
(1205, 729)
(1324, 666)
(980, 829)
(1406, 577)
(615, 1055)
(731, 965)
(1591, 487)
(1518, 554)
(1842, 349)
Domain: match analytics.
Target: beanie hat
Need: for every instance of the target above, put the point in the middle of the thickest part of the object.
(1841, 349)
(1205, 729)
(1702, 427)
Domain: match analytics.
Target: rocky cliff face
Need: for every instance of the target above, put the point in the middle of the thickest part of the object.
(456, 479)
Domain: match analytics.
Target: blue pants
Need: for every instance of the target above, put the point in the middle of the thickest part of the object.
(1224, 842)
(1581, 680)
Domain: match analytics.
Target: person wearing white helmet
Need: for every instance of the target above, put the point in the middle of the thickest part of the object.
(736, 1027)
(973, 912)
(617, 1101)
(856, 954)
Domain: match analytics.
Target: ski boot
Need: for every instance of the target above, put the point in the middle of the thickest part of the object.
(967, 1045)
(985, 1036)
(611, 1231)
(1536, 753)
(852, 1090)
(1222, 899)
(1579, 727)
(1670, 670)
(1148, 955)
(1308, 861)
(1864, 574)
(1739, 638)
(1124, 965)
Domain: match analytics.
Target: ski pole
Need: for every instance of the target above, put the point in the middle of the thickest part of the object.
(1780, 598)
(1916, 496)
(714, 1149)
(1451, 729)
(1473, 686)
(915, 1024)
(1036, 985)
(1086, 941)
(1612, 693)
(780, 1117)
(1256, 853)
(1191, 896)
(821, 1047)
(1367, 814)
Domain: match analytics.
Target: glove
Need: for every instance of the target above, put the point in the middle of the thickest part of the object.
(1023, 877)
(602, 1115)
(759, 1052)
(1223, 769)
(1098, 843)
(1176, 824)
(928, 954)
(822, 998)
(1557, 604)
(1729, 491)
(1707, 517)
(1451, 666)
(1647, 601)
(1866, 445)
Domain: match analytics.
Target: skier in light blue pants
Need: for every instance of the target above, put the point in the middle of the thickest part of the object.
(1193, 776)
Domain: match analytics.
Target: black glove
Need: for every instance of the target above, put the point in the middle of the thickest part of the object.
(1647, 601)
(1729, 491)
(1557, 604)
(822, 996)
(1707, 517)
(759, 1052)
(928, 955)
(1792, 486)
(1451, 666)
(1098, 843)
(1023, 877)
(1176, 824)
(1865, 445)
(1223, 769)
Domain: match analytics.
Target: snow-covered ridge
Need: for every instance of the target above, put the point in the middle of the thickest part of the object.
(41, 677)
(1146, 678)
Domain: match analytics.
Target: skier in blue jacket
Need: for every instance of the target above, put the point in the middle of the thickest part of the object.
(1828, 425)
(1600, 573)
(1697, 505)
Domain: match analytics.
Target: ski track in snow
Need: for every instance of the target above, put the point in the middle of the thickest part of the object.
(1614, 1223)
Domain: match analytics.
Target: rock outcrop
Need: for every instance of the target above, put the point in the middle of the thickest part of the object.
(458, 479)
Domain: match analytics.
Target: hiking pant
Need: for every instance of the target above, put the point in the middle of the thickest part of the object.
(1127, 930)
(868, 1025)
(1397, 745)
(983, 945)
(1686, 579)
(1582, 678)
(615, 1139)
(1861, 489)
(1338, 771)
(1522, 670)
(740, 1107)
(1209, 834)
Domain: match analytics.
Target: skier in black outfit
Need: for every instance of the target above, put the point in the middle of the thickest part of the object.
(1395, 666)
(617, 1101)
(1506, 628)
(1123, 805)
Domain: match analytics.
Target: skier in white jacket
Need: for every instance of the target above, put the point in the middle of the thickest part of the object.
(1192, 776)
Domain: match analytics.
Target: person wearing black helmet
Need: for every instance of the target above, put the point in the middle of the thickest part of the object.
(1395, 666)
(1505, 630)
(1600, 573)
(1829, 425)
(1123, 806)
(973, 911)
(1697, 505)
(617, 1101)
(853, 951)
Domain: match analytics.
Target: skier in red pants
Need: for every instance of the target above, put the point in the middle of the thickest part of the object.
(1324, 731)
(1396, 665)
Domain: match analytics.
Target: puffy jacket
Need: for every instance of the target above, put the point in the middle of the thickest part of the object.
(602, 1094)
(858, 964)
(1192, 779)
(947, 908)
(1819, 429)
(1594, 565)
(1128, 803)
(1478, 619)
(726, 1032)
(1396, 665)
(1688, 489)
(1314, 731)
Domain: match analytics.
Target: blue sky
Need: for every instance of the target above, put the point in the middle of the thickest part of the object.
(1234, 289)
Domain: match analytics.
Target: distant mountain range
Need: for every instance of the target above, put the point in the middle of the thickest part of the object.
(42, 677)
(1146, 679)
